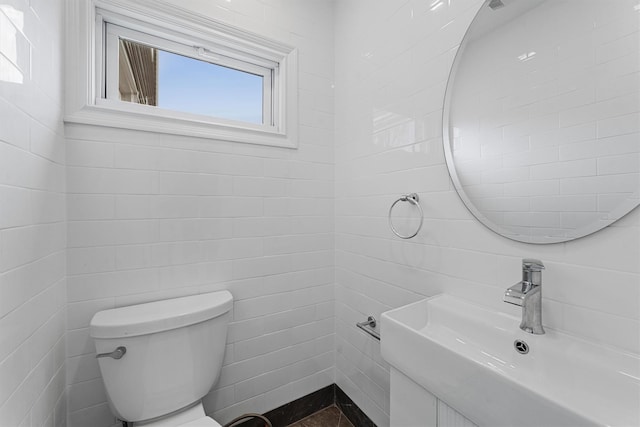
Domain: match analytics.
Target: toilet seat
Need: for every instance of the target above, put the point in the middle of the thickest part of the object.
(201, 422)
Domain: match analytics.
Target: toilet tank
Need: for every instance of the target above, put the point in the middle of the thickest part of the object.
(174, 352)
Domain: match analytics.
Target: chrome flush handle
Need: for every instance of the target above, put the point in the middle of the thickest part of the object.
(115, 354)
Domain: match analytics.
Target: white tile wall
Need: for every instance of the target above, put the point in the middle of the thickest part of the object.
(392, 63)
(32, 215)
(158, 216)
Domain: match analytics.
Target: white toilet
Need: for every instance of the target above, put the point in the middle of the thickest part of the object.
(158, 360)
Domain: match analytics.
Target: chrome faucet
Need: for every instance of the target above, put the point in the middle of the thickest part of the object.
(528, 295)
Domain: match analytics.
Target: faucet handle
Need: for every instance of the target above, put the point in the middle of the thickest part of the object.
(530, 264)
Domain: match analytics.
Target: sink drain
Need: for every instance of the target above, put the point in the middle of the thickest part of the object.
(521, 346)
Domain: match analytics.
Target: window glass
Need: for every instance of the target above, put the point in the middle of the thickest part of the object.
(170, 81)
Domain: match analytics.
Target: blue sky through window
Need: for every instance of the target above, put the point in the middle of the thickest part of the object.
(199, 87)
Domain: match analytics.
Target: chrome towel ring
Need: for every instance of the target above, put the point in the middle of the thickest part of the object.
(414, 200)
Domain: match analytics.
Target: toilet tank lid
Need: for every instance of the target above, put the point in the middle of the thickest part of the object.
(158, 316)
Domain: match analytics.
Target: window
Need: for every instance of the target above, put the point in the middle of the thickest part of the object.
(148, 70)
(160, 68)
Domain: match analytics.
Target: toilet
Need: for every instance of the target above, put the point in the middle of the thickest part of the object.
(159, 359)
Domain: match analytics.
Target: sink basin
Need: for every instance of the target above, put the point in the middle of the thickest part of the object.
(465, 355)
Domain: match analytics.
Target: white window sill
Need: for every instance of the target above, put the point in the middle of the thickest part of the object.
(170, 122)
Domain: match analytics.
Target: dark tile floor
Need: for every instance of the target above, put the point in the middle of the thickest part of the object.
(327, 417)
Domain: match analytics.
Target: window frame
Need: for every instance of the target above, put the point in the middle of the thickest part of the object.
(110, 81)
(94, 23)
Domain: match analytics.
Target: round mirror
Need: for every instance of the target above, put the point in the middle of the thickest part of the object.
(542, 116)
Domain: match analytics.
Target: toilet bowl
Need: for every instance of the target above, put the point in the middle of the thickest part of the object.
(159, 359)
(191, 417)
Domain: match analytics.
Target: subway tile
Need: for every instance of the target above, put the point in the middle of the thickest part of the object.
(278, 245)
(600, 111)
(21, 284)
(258, 187)
(15, 46)
(15, 126)
(82, 368)
(32, 217)
(110, 181)
(111, 284)
(600, 147)
(46, 143)
(627, 164)
(42, 412)
(44, 340)
(90, 260)
(569, 169)
(89, 153)
(194, 184)
(230, 207)
(627, 183)
(86, 394)
(586, 203)
(79, 342)
(98, 416)
(22, 245)
(134, 157)
(621, 125)
(16, 209)
(623, 85)
(101, 233)
(79, 314)
(13, 370)
(229, 249)
(180, 229)
(90, 206)
(261, 226)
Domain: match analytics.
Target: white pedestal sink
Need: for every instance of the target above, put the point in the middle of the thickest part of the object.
(465, 355)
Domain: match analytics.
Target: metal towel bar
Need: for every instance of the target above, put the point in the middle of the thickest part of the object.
(368, 326)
